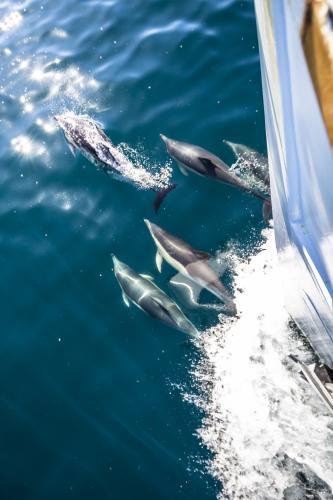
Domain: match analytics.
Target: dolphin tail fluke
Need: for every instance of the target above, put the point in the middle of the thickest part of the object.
(186, 343)
(267, 205)
(266, 210)
(161, 195)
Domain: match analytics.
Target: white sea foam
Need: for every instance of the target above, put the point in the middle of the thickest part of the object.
(59, 33)
(264, 425)
(11, 21)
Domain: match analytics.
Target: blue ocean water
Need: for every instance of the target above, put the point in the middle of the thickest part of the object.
(90, 406)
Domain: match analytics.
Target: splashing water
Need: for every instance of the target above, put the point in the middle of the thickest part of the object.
(154, 175)
(117, 158)
(245, 166)
(270, 435)
(144, 177)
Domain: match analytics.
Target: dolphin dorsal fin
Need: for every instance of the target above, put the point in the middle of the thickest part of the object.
(162, 306)
(210, 166)
(202, 255)
(159, 261)
(147, 277)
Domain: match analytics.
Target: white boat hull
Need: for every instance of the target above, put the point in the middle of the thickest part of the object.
(301, 172)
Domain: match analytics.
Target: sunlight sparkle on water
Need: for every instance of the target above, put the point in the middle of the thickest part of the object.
(11, 21)
(47, 126)
(27, 106)
(24, 146)
(64, 201)
(59, 33)
(69, 82)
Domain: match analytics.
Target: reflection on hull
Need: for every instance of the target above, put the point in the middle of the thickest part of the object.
(321, 379)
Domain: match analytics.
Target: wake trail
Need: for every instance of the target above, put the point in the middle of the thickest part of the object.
(271, 437)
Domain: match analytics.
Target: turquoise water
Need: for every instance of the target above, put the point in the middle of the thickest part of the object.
(90, 399)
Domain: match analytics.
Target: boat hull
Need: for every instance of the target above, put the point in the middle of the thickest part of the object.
(301, 173)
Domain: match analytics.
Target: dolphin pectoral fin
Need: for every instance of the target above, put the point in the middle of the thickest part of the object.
(72, 149)
(182, 169)
(159, 261)
(187, 290)
(125, 299)
(147, 277)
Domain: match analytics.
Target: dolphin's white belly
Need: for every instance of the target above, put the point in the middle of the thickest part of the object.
(181, 269)
(193, 274)
(168, 258)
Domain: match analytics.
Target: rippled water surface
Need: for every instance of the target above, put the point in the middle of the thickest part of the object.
(97, 399)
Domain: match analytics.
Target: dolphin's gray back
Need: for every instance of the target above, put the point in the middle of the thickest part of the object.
(195, 263)
(259, 165)
(178, 249)
(160, 306)
(257, 162)
(192, 156)
(146, 295)
(134, 285)
(100, 152)
(204, 163)
(84, 134)
(154, 301)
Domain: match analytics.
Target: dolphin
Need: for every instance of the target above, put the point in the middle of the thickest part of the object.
(200, 161)
(84, 134)
(142, 292)
(255, 161)
(189, 262)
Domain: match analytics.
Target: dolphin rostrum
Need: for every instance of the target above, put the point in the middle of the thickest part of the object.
(200, 161)
(253, 160)
(84, 134)
(140, 290)
(191, 263)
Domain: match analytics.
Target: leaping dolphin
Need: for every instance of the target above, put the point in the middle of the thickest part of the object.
(200, 161)
(255, 161)
(189, 262)
(140, 290)
(84, 134)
